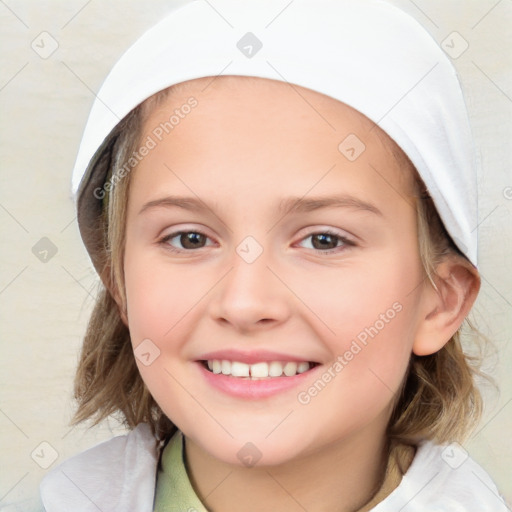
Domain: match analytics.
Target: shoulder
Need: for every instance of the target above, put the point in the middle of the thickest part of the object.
(116, 475)
(444, 478)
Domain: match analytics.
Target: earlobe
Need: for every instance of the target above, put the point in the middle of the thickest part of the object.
(444, 309)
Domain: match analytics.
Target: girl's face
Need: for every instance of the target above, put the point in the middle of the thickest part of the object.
(270, 225)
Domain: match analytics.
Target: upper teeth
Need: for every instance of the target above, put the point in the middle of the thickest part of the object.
(263, 369)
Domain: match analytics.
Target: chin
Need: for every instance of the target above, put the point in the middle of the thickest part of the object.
(250, 448)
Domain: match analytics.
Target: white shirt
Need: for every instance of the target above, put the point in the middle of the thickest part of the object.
(119, 475)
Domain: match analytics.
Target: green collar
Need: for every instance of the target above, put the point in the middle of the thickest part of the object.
(174, 492)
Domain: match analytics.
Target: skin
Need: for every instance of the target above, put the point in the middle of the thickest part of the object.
(249, 144)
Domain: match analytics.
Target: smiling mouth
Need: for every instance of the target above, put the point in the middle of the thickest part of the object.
(256, 371)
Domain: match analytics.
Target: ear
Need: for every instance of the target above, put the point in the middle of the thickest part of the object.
(443, 310)
(108, 282)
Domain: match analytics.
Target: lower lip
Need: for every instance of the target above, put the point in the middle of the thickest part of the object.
(254, 389)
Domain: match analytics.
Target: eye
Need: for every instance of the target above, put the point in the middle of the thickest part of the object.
(327, 242)
(188, 240)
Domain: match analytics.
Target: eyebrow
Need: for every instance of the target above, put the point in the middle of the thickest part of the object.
(286, 206)
(302, 204)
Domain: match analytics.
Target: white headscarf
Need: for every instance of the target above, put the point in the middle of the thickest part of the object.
(365, 53)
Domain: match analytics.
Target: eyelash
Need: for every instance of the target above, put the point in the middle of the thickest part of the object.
(344, 241)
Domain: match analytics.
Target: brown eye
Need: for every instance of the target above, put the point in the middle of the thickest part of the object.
(325, 241)
(182, 241)
(192, 240)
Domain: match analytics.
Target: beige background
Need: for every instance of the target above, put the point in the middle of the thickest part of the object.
(44, 306)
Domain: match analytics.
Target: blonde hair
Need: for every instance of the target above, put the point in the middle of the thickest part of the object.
(439, 398)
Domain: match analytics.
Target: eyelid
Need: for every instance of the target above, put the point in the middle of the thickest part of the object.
(320, 229)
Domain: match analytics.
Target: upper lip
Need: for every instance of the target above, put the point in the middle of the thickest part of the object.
(251, 357)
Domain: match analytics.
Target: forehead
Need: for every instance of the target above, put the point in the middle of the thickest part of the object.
(268, 126)
(225, 89)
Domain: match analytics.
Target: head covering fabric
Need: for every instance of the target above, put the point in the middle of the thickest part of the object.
(365, 53)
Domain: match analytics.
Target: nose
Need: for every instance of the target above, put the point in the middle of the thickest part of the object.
(250, 297)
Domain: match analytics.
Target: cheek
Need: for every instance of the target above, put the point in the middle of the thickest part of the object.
(381, 294)
(160, 300)
(159, 295)
(368, 320)
(370, 355)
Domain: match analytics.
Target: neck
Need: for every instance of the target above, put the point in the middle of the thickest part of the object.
(343, 476)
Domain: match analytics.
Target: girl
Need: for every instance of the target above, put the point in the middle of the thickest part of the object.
(281, 205)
